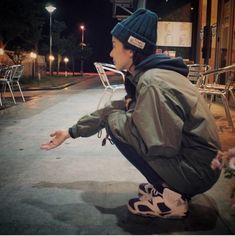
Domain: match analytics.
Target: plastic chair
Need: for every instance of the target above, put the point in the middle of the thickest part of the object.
(194, 72)
(108, 87)
(217, 90)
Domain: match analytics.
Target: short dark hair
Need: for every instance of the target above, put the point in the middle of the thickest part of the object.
(137, 55)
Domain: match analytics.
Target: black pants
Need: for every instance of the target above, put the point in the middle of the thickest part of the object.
(136, 160)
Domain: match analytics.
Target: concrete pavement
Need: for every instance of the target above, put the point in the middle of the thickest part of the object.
(82, 187)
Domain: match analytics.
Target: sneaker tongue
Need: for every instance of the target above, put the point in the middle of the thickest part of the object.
(170, 194)
(159, 189)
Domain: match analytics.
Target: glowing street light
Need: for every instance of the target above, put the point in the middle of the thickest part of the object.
(1, 54)
(2, 51)
(51, 59)
(50, 8)
(66, 60)
(33, 55)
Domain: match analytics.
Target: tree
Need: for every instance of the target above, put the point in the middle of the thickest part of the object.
(72, 49)
(16, 56)
(84, 52)
(59, 43)
(21, 25)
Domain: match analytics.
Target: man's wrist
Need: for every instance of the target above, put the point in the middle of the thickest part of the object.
(70, 133)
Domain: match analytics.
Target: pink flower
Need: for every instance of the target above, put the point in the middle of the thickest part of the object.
(217, 162)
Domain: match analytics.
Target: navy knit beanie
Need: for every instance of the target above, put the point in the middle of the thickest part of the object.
(138, 32)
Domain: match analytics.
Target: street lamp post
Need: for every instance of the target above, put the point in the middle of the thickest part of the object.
(82, 27)
(33, 55)
(50, 8)
(66, 60)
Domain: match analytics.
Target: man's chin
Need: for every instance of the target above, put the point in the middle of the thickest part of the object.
(118, 67)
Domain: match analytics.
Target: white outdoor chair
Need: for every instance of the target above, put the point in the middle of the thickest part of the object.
(216, 90)
(228, 86)
(1, 86)
(194, 72)
(108, 86)
(5, 80)
(17, 72)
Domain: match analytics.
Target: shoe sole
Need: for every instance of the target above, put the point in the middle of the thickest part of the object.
(176, 217)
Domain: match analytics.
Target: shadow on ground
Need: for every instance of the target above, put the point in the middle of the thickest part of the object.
(102, 210)
(8, 102)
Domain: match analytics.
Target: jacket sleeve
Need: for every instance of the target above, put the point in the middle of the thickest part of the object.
(155, 126)
(90, 124)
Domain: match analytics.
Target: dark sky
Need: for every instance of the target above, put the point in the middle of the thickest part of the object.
(96, 15)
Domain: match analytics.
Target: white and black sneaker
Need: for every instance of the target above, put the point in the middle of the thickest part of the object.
(168, 204)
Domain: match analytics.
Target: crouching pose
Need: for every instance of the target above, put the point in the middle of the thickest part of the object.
(163, 126)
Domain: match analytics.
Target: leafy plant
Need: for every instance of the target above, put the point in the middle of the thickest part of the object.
(16, 56)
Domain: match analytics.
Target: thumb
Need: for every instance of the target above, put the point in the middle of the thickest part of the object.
(53, 134)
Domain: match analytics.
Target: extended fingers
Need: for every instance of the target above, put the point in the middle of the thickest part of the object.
(44, 146)
(48, 146)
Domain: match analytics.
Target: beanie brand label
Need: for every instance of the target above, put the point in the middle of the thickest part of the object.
(136, 42)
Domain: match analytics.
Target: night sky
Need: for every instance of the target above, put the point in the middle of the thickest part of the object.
(96, 15)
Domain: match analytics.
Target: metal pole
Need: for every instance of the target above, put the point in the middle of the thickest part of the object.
(33, 68)
(50, 61)
(81, 65)
(82, 36)
(66, 73)
(50, 8)
(82, 52)
(207, 34)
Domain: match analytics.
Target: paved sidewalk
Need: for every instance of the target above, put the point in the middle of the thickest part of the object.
(82, 187)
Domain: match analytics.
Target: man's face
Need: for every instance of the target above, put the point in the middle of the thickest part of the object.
(122, 58)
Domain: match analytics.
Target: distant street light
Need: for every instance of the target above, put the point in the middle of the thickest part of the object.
(66, 60)
(50, 8)
(1, 51)
(33, 55)
(1, 54)
(82, 27)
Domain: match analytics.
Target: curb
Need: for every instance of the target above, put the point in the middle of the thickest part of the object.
(50, 88)
(56, 87)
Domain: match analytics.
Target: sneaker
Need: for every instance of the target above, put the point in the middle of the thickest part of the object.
(168, 204)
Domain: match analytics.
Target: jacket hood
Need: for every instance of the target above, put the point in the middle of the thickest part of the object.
(162, 61)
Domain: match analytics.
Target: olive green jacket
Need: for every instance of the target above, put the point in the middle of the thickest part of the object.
(171, 127)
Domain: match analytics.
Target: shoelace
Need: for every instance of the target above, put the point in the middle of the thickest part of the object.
(151, 194)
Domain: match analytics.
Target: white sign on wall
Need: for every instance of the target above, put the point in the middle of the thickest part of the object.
(174, 34)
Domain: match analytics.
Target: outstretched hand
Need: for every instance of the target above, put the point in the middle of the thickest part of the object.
(58, 137)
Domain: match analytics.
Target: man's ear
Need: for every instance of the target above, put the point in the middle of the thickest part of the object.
(131, 53)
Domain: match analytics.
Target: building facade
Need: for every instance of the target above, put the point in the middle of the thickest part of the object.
(222, 31)
(206, 28)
